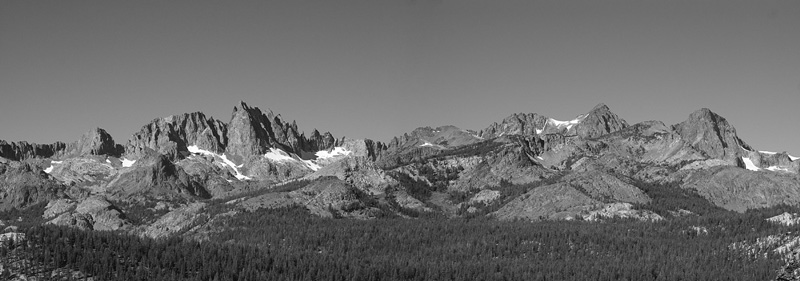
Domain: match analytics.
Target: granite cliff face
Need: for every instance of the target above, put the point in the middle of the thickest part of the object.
(598, 122)
(712, 135)
(173, 134)
(252, 132)
(95, 142)
(23, 184)
(24, 150)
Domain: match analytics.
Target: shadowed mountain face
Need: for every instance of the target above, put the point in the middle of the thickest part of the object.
(526, 166)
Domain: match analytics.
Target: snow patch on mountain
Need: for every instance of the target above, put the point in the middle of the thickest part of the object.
(793, 158)
(225, 160)
(311, 165)
(49, 169)
(561, 124)
(768, 152)
(336, 151)
(748, 164)
(278, 155)
(275, 154)
(778, 169)
(127, 163)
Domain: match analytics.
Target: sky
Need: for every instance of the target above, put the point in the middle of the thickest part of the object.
(377, 69)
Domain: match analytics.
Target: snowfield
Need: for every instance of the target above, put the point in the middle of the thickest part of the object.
(229, 163)
(336, 151)
(127, 163)
(748, 164)
(275, 154)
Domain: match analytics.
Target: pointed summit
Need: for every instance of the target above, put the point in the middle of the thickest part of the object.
(711, 134)
(600, 107)
(95, 142)
(599, 121)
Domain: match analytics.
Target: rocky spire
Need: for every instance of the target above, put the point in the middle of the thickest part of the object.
(249, 131)
(252, 132)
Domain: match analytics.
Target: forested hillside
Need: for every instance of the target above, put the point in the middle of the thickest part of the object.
(290, 244)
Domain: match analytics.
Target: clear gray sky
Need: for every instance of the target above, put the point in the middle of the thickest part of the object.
(376, 69)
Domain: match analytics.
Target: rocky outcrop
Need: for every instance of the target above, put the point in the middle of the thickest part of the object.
(360, 172)
(486, 196)
(57, 207)
(23, 184)
(712, 135)
(89, 170)
(328, 197)
(156, 176)
(211, 175)
(176, 221)
(737, 189)
(93, 213)
(556, 201)
(773, 161)
(589, 194)
(516, 124)
(606, 187)
(404, 200)
(512, 159)
(622, 211)
(325, 197)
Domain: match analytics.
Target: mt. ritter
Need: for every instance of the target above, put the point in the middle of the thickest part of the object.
(188, 174)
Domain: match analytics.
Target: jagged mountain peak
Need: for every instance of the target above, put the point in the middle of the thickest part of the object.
(172, 134)
(96, 141)
(600, 107)
(597, 122)
(711, 134)
(516, 124)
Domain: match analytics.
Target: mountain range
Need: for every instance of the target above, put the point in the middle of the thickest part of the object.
(526, 166)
